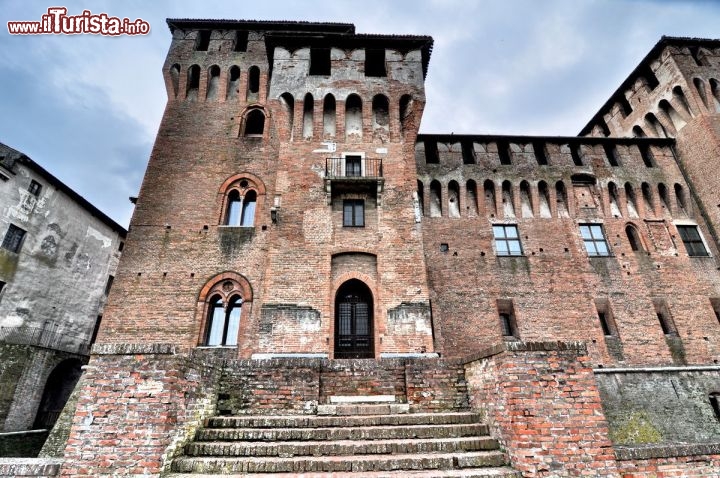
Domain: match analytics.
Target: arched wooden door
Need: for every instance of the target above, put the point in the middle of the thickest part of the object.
(354, 321)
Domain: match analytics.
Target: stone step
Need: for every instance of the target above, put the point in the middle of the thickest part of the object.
(494, 472)
(356, 463)
(314, 421)
(340, 447)
(336, 433)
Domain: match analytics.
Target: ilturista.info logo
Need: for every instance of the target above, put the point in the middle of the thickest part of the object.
(57, 22)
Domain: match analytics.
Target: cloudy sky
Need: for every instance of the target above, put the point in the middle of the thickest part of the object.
(87, 107)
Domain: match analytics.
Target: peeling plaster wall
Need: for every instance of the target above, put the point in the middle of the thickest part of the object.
(55, 285)
(58, 278)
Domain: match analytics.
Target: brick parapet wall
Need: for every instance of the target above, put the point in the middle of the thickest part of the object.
(542, 403)
(297, 385)
(137, 410)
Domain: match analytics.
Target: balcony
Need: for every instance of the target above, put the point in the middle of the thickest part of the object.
(353, 174)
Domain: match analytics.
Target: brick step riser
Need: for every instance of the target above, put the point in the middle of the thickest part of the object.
(317, 434)
(335, 449)
(349, 464)
(312, 421)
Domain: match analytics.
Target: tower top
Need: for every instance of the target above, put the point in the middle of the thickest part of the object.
(299, 34)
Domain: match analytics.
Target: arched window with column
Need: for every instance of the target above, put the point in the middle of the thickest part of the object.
(223, 322)
(222, 302)
(241, 195)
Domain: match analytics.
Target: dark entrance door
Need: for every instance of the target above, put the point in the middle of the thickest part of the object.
(353, 321)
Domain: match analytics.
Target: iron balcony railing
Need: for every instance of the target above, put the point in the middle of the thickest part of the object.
(353, 167)
(46, 338)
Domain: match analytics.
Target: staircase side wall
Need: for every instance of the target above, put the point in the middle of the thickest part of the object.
(138, 406)
(543, 404)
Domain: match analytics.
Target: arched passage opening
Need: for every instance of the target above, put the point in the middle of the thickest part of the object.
(59, 386)
(354, 321)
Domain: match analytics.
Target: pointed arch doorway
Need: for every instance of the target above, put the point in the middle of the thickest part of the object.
(354, 321)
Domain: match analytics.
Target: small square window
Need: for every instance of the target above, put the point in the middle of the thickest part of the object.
(594, 239)
(354, 213)
(375, 63)
(34, 188)
(507, 240)
(692, 240)
(320, 61)
(13, 239)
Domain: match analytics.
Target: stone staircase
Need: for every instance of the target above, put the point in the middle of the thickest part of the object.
(370, 440)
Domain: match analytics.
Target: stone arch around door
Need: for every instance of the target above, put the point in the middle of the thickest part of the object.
(354, 324)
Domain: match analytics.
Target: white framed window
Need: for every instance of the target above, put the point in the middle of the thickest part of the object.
(593, 236)
(507, 240)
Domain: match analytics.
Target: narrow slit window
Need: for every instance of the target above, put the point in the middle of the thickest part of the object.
(575, 154)
(506, 314)
(504, 153)
(468, 152)
(633, 238)
(647, 156)
(715, 404)
(431, 152)
(664, 318)
(605, 316)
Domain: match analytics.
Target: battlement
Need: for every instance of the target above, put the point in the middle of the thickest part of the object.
(525, 153)
(675, 82)
(222, 59)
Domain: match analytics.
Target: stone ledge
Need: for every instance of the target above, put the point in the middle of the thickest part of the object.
(660, 369)
(647, 452)
(30, 466)
(134, 349)
(519, 346)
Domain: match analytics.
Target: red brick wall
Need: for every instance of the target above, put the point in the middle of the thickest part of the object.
(296, 385)
(136, 410)
(541, 402)
(554, 286)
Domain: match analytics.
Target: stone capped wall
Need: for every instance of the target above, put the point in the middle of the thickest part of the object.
(670, 405)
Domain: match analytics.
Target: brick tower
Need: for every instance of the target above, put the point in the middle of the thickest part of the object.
(278, 211)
